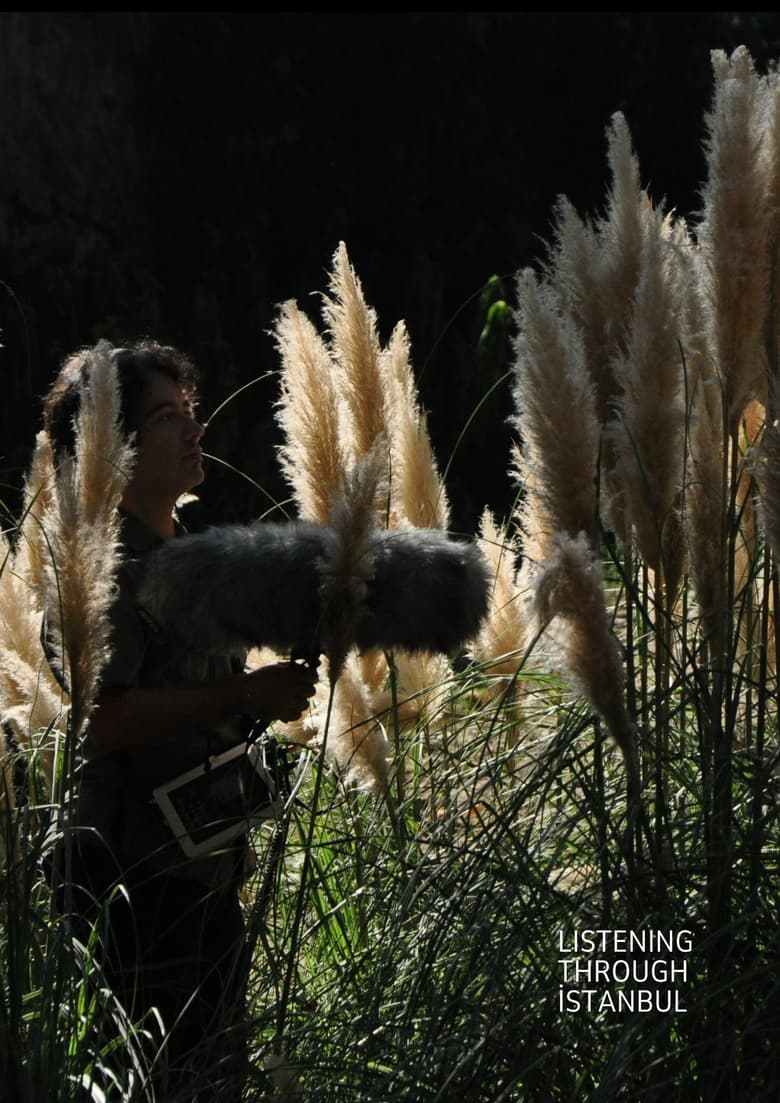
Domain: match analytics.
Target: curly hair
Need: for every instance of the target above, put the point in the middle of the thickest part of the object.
(134, 364)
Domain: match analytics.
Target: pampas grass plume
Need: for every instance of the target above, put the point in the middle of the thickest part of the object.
(310, 416)
(556, 416)
(735, 228)
(83, 530)
(418, 496)
(649, 440)
(499, 645)
(359, 743)
(570, 589)
(355, 347)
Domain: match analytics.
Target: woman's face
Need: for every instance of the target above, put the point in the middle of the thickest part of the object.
(169, 457)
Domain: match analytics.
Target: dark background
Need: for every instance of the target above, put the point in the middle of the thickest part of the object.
(179, 175)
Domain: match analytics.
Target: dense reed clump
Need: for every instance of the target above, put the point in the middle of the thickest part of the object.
(348, 407)
(558, 469)
(83, 532)
(645, 396)
(62, 560)
(55, 1031)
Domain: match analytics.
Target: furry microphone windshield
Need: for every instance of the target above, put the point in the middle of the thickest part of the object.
(262, 585)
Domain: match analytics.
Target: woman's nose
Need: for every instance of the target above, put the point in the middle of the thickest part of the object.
(194, 428)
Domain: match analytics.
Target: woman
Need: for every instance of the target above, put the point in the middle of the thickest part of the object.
(173, 935)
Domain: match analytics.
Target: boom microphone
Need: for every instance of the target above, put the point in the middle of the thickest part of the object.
(239, 586)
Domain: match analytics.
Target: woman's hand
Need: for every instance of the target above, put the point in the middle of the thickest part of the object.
(138, 719)
(280, 691)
